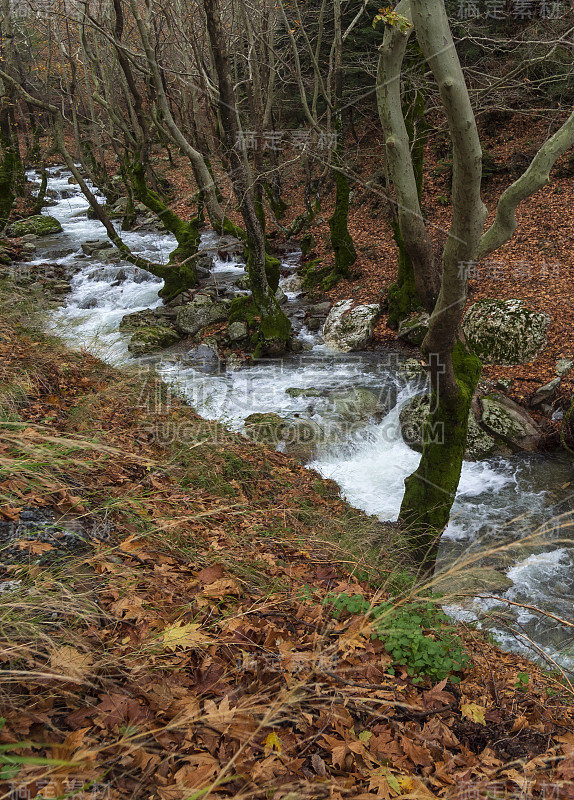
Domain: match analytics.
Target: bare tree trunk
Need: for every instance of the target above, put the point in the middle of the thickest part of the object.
(274, 325)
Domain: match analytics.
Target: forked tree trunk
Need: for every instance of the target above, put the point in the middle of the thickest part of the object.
(431, 489)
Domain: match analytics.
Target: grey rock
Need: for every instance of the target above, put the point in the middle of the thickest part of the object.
(29, 237)
(237, 331)
(88, 302)
(347, 330)
(356, 404)
(320, 309)
(545, 393)
(413, 416)
(280, 296)
(314, 324)
(294, 283)
(94, 245)
(110, 255)
(414, 329)
(563, 366)
(120, 205)
(474, 580)
(508, 421)
(201, 312)
(505, 332)
(148, 318)
(204, 263)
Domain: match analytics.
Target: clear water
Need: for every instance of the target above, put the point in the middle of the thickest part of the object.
(520, 505)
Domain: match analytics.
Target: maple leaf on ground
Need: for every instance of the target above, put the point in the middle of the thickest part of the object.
(474, 712)
(34, 547)
(70, 662)
(219, 717)
(184, 636)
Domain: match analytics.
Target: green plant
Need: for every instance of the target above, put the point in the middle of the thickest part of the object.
(522, 681)
(443, 200)
(418, 635)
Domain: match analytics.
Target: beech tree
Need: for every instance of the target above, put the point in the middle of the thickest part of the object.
(454, 368)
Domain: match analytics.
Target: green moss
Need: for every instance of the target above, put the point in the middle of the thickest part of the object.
(431, 489)
(341, 241)
(402, 296)
(278, 205)
(149, 339)
(270, 332)
(273, 272)
(39, 224)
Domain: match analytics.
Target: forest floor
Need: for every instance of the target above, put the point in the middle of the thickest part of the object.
(170, 626)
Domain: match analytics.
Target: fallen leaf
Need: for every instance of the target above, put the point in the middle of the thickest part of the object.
(184, 636)
(70, 662)
(35, 547)
(474, 712)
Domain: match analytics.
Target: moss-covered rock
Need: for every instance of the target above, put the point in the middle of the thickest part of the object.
(148, 340)
(508, 421)
(356, 404)
(414, 414)
(306, 392)
(148, 318)
(505, 332)
(201, 312)
(413, 329)
(265, 428)
(40, 225)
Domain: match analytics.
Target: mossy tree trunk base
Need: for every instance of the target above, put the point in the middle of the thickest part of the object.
(341, 241)
(430, 491)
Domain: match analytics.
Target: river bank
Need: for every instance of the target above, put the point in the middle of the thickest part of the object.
(512, 514)
(158, 587)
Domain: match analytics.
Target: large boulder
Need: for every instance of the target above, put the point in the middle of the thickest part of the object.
(356, 404)
(40, 225)
(505, 332)
(149, 339)
(505, 419)
(413, 329)
(479, 444)
(347, 330)
(148, 318)
(300, 438)
(92, 246)
(201, 312)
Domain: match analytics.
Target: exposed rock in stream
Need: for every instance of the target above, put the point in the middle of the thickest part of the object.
(40, 225)
(496, 426)
(347, 330)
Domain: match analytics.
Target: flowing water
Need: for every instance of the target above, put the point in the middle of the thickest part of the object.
(501, 505)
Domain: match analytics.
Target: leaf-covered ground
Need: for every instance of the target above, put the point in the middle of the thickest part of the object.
(164, 634)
